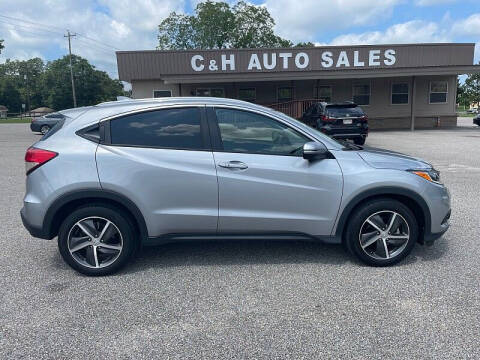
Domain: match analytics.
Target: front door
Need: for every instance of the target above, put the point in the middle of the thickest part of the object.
(265, 185)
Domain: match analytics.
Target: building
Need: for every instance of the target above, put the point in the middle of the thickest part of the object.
(398, 86)
(3, 112)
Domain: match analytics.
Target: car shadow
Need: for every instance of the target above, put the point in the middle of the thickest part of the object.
(428, 253)
(236, 252)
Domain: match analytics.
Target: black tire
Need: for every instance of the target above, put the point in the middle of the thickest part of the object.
(360, 140)
(122, 223)
(360, 216)
(44, 129)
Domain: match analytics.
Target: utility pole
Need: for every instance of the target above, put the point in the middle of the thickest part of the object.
(28, 91)
(71, 68)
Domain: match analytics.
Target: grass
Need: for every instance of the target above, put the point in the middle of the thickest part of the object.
(464, 114)
(15, 120)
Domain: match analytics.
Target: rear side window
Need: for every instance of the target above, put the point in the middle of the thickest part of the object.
(177, 128)
(344, 111)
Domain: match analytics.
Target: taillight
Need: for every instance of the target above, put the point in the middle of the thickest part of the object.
(364, 118)
(35, 158)
(325, 118)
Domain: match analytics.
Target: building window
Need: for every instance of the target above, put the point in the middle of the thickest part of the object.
(214, 92)
(400, 93)
(284, 94)
(438, 92)
(162, 93)
(324, 93)
(247, 94)
(361, 94)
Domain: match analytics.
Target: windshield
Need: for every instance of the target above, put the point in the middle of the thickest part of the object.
(344, 112)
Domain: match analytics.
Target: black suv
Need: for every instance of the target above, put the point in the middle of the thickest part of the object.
(338, 120)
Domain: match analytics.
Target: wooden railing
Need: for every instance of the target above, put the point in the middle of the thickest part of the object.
(293, 108)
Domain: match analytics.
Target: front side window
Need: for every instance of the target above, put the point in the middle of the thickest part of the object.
(361, 94)
(285, 94)
(177, 128)
(438, 92)
(247, 132)
(400, 93)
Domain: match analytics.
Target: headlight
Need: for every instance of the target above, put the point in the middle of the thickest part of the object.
(429, 175)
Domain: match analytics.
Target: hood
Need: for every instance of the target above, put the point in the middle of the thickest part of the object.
(386, 159)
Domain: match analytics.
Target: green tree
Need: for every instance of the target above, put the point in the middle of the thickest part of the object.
(472, 88)
(217, 25)
(10, 96)
(305, 44)
(1, 46)
(92, 86)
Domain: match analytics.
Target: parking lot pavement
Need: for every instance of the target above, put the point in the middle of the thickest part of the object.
(249, 299)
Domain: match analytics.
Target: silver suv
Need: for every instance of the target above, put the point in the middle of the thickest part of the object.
(109, 178)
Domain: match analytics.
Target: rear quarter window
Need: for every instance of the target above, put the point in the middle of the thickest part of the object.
(54, 129)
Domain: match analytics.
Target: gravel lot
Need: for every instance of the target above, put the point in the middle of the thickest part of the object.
(286, 300)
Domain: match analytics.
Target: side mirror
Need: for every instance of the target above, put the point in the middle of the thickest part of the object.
(314, 151)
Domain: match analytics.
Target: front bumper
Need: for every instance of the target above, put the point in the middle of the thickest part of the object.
(438, 199)
(35, 127)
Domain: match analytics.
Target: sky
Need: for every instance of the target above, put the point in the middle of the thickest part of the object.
(36, 28)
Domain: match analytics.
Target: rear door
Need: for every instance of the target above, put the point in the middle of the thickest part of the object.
(162, 161)
(265, 185)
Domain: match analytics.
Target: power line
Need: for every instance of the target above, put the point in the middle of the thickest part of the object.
(32, 22)
(29, 27)
(39, 25)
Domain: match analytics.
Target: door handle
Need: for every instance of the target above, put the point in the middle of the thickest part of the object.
(235, 165)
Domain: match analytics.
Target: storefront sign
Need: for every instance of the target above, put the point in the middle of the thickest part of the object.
(295, 61)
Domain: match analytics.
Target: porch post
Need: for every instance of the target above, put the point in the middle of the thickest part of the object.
(412, 102)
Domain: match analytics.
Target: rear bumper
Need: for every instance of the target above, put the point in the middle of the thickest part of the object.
(345, 132)
(35, 231)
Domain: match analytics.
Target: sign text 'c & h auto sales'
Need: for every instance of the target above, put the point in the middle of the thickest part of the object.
(295, 61)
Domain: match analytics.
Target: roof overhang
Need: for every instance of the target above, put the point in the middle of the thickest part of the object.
(326, 62)
(332, 74)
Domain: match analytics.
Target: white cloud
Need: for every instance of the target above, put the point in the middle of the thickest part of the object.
(433, 2)
(410, 32)
(303, 20)
(120, 24)
(468, 27)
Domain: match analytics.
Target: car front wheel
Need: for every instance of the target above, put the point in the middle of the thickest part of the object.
(382, 232)
(96, 240)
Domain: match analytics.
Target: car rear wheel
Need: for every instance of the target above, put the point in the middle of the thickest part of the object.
(44, 129)
(382, 232)
(359, 140)
(96, 240)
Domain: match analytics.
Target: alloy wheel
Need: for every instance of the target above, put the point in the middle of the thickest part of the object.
(384, 235)
(95, 242)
